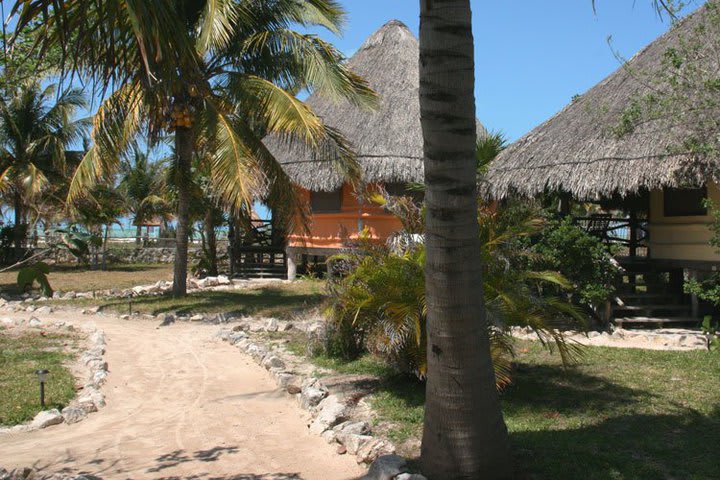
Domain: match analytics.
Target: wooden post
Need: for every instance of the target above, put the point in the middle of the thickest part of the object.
(291, 266)
(633, 233)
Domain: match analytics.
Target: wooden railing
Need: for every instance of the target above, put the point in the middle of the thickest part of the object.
(628, 232)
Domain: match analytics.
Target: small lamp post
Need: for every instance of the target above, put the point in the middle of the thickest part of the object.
(42, 374)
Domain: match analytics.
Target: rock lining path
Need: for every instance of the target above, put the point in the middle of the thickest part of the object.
(181, 405)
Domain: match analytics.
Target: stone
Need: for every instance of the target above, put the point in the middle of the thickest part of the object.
(7, 321)
(235, 337)
(377, 450)
(293, 389)
(311, 396)
(593, 334)
(271, 325)
(357, 428)
(87, 405)
(284, 379)
(315, 328)
(125, 317)
(34, 322)
(44, 310)
(47, 418)
(166, 319)
(288, 326)
(331, 411)
(69, 295)
(30, 309)
(99, 377)
(94, 396)
(341, 450)
(353, 442)
(223, 280)
(410, 476)
(73, 414)
(272, 361)
(95, 309)
(329, 436)
(256, 351)
(197, 318)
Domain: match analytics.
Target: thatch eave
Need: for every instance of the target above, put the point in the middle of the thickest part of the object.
(388, 142)
(579, 152)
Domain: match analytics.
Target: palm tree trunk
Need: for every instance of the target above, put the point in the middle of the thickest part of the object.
(211, 247)
(104, 248)
(231, 243)
(183, 151)
(138, 235)
(18, 231)
(464, 434)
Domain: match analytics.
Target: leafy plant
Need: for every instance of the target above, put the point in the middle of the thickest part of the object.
(580, 257)
(708, 289)
(70, 239)
(379, 305)
(36, 272)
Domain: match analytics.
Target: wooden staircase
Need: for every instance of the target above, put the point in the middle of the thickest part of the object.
(651, 295)
(260, 262)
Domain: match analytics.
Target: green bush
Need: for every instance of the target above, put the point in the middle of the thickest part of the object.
(379, 305)
(580, 257)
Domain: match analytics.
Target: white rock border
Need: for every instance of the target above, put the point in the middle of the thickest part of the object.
(90, 399)
(330, 414)
(670, 339)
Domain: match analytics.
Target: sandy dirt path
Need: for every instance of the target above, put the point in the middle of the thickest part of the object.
(181, 405)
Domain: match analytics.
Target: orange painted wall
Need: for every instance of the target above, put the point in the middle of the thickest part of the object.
(328, 230)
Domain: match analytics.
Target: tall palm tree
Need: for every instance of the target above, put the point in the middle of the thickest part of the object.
(142, 187)
(217, 71)
(464, 435)
(36, 127)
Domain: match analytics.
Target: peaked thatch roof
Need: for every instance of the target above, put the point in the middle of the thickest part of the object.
(388, 141)
(579, 151)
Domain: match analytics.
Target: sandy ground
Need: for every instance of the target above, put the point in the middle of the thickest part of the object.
(181, 405)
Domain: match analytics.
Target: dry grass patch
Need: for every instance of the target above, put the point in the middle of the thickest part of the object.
(66, 278)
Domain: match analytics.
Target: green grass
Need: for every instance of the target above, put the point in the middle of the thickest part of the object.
(619, 414)
(281, 301)
(66, 278)
(20, 356)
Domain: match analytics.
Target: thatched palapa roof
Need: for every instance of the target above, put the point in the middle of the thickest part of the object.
(388, 141)
(579, 150)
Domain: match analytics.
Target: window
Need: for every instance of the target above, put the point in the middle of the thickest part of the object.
(326, 202)
(682, 202)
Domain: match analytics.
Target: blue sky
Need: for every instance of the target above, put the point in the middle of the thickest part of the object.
(531, 56)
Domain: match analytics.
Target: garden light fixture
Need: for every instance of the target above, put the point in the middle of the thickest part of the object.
(42, 374)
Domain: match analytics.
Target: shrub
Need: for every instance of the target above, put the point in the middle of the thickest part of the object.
(580, 257)
(379, 306)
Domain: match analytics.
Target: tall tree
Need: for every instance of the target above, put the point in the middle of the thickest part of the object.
(142, 188)
(464, 434)
(207, 71)
(36, 127)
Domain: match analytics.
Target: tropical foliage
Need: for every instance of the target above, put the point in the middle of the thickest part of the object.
(37, 126)
(379, 305)
(581, 258)
(216, 75)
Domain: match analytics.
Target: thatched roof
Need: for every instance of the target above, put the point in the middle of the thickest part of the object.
(388, 141)
(579, 151)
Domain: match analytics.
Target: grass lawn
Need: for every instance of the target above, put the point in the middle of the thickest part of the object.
(66, 278)
(280, 300)
(20, 356)
(619, 414)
